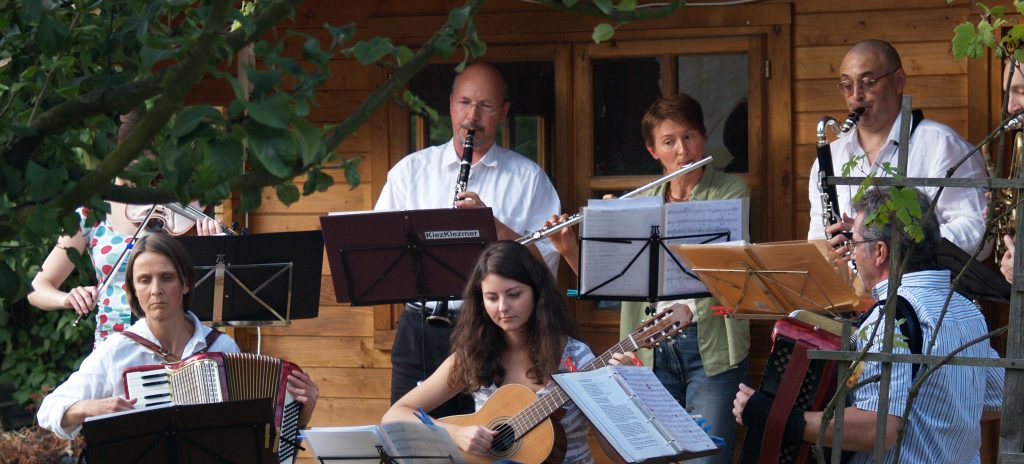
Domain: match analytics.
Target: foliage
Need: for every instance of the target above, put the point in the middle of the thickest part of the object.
(902, 203)
(973, 40)
(67, 70)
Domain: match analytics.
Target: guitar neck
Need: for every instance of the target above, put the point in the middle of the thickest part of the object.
(535, 413)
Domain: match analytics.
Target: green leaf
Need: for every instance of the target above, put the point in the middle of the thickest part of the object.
(569, 3)
(418, 106)
(263, 81)
(369, 51)
(310, 136)
(251, 200)
(626, 6)
(603, 32)
(287, 193)
(965, 42)
(352, 171)
(476, 47)
(273, 112)
(403, 54)
(605, 6)
(223, 158)
(311, 51)
(51, 35)
(272, 148)
(458, 17)
(151, 56)
(44, 183)
(188, 119)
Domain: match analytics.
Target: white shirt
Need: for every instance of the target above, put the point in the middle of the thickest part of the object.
(516, 188)
(934, 148)
(100, 373)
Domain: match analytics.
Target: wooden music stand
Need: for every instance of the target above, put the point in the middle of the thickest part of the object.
(405, 256)
(256, 280)
(770, 280)
(233, 431)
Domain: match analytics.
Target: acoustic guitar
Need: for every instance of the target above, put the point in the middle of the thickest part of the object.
(525, 431)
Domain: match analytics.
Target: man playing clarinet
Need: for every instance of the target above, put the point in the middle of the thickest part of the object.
(516, 189)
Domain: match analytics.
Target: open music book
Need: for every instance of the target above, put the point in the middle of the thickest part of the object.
(603, 258)
(404, 441)
(634, 412)
(770, 279)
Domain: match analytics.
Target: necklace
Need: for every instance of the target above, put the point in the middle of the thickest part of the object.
(669, 198)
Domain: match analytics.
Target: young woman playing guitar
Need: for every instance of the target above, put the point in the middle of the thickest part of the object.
(514, 328)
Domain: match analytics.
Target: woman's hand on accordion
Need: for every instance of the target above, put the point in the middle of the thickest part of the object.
(84, 409)
(301, 386)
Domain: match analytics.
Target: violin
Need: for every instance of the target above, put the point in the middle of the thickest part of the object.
(173, 218)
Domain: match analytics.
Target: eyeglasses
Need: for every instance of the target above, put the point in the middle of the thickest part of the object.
(852, 245)
(485, 108)
(866, 83)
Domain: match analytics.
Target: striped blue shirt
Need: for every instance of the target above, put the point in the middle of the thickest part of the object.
(944, 419)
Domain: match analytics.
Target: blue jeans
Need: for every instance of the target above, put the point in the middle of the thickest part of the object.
(679, 367)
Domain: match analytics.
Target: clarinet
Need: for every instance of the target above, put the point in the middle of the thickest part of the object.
(830, 213)
(440, 316)
(462, 182)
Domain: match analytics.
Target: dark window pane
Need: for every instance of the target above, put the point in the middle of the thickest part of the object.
(623, 90)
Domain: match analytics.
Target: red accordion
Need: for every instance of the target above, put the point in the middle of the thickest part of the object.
(218, 377)
(794, 382)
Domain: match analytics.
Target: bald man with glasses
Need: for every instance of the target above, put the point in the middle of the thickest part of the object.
(872, 78)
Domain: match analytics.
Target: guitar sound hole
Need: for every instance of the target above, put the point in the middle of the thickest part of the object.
(504, 441)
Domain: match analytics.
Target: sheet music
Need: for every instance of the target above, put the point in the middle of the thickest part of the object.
(679, 424)
(397, 438)
(696, 218)
(620, 414)
(601, 261)
(345, 442)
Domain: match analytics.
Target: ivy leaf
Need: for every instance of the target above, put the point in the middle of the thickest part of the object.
(603, 32)
(287, 193)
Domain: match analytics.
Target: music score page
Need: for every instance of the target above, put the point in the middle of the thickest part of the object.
(633, 411)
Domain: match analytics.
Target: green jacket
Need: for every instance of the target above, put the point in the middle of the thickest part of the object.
(724, 342)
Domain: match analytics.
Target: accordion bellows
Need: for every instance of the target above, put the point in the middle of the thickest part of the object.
(218, 377)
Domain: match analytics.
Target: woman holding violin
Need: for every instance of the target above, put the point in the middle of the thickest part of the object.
(108, 242)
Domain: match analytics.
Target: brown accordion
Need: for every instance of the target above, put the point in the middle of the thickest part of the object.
(794, 382)
(218, 377)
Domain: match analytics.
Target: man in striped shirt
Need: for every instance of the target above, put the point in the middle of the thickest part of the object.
(943, 423)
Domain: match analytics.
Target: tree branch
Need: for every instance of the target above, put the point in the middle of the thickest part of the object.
(648, 11)
(395, 82)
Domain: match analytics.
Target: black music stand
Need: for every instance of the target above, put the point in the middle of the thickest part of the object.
(256, 280)
(979, 281)
(405, 256)
(233, 431)
(658, 248)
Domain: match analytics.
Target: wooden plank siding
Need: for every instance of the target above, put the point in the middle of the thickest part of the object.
(345, 349)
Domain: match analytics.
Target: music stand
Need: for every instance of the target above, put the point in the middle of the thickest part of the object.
(657, 249)
(768, 281)
(980, 280)
(405, 256)
(256, 280)
(233, 431)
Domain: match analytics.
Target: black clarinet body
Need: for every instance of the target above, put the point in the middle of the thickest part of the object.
(830, 213)
(440, 315)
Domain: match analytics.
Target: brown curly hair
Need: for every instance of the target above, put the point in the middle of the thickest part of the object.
(478, 343)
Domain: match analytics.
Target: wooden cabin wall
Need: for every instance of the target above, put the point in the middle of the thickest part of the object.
(347, 356)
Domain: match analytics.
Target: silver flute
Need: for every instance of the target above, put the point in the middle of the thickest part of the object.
(576, 218)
